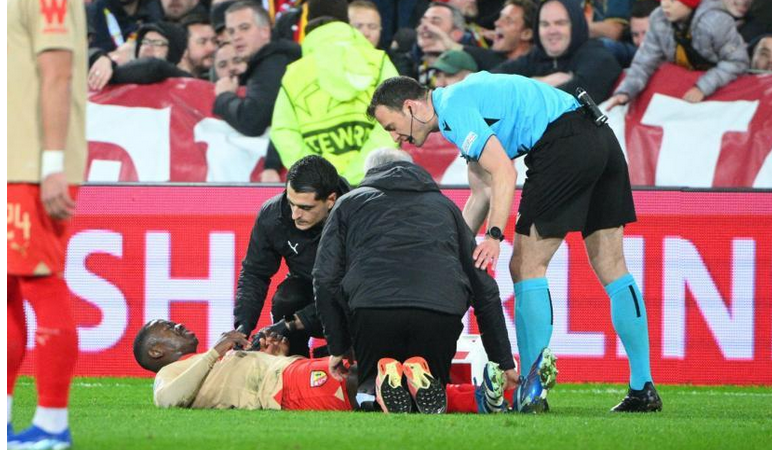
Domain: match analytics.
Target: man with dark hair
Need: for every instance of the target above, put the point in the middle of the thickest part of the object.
(288, 227)
(198, 58)
(176, 10)
(249, 28)
(512, 36)
(564, 56)
(577, 181)
(394, 276)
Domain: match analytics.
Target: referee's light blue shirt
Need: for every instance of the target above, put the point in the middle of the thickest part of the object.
(514, 108)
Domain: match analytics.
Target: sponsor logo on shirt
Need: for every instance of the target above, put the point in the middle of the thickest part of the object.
(54, 12)
(470, 138)
(318, 378)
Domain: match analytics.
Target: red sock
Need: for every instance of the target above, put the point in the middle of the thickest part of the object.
(17, 331)
(461, 398)
(56, 340)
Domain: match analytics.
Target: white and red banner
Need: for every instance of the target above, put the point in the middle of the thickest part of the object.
(703, 262)
(166, 132)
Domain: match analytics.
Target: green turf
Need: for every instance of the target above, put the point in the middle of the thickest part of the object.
(117, 413)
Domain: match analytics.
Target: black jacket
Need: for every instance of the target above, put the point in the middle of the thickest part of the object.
(594, 68)
(146, 71)
(149, 11)
(398, 242)
(274, 237)
(251, 115)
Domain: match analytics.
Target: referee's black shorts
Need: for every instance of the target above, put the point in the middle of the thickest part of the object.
(577, 180)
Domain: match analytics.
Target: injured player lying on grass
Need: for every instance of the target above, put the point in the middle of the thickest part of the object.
(263, 377)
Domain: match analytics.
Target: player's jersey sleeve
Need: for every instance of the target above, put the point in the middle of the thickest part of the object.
(51, 24)
(462, 124)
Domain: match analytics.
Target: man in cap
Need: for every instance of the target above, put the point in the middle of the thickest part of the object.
(453, 66)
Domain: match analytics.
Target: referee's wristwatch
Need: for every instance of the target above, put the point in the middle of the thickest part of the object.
(495, 233)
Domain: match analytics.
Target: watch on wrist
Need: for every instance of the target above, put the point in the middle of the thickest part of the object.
(495, 233)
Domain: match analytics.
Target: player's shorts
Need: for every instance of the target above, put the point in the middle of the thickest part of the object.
(308, 386)
(577, 180)
(36, 243)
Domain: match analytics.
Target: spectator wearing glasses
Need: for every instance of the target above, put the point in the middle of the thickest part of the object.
(161, 47)
(115, 22)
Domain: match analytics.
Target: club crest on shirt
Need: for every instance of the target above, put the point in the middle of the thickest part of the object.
(318, 378)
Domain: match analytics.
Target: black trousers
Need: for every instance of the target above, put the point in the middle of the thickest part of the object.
(292, 295)
(402, 333)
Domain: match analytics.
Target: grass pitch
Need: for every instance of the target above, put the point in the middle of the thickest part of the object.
(117, 413)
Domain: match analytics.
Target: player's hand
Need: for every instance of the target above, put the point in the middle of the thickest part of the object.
(694, 95)
(230, 339)
(270, 176)
(100, 73)
(339, 366)
(619, 99)
(55, 195)
(226, 84)
(124, 53)
(487, 253)
(511, 379)
(275, 344)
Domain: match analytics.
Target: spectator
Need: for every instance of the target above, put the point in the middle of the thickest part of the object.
(762, 54)
(441, 26)
(202, 43)
(175, 10)
(217, 17)
(403, 252)
(624, 49)
(364, 16)
(639, 19)
(453, 66)
(738, 9)
(563, 56)
(321, 108)
(470, 12)
(514, 29)
(694, 35)
(227, 63)
(250, 30)
(161, 47)
(114, 22)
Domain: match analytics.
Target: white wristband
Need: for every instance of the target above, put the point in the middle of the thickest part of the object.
(51, 162)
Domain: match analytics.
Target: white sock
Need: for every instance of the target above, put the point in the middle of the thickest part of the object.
(51, 420)
(10, 403)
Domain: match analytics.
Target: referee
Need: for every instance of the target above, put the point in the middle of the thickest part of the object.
(577, 181)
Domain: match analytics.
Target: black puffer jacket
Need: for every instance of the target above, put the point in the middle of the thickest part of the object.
(593, 67)
(398, 242)
(251, 115)
(274, 237)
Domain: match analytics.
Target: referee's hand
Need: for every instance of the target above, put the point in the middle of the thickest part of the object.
(487, 253)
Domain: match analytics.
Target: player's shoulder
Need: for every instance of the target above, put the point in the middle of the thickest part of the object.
(272, 208)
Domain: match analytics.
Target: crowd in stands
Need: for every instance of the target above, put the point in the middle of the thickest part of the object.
(307, 68)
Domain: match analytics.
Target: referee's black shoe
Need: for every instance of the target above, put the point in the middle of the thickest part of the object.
(644, 400)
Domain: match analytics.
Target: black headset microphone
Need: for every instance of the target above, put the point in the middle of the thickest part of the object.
(410, 139)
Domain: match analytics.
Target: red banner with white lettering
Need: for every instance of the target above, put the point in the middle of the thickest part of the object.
(166, 132)
(702, 260)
